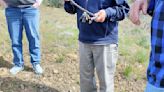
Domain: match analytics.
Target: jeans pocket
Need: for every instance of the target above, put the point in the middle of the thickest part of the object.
(11, 12)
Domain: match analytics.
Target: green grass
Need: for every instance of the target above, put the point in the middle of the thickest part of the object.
(60, 59)
(59, 37)
(141, 56)
(134, 48)
(127, 71)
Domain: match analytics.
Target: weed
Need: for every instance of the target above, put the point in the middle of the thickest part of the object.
(60, 59)
(127, 72)
(141, 56)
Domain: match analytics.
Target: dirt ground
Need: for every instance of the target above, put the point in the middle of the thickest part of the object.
(59, 77)
(61, 68)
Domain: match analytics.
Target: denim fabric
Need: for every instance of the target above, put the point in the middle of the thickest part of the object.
(28, 19)
(151, 88)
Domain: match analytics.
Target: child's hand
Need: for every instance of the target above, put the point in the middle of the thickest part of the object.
(101, 16)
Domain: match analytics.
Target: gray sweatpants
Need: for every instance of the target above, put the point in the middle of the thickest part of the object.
(101, 58)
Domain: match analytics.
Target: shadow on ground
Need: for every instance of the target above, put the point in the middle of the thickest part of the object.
(13, 84)
(16, 85)
(7, 64)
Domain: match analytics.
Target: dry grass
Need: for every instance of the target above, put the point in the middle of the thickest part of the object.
(59, 53)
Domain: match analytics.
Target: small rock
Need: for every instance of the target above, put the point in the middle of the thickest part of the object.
(69, 90)
(41, 86)
(22, 86)
(74, 88)
(55, 71)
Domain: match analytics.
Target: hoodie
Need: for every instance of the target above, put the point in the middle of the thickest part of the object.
(99, 33)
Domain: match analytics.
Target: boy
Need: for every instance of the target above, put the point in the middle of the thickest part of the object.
(98, 41)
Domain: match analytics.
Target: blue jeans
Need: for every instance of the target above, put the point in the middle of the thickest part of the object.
(151, 88)
(27, 18)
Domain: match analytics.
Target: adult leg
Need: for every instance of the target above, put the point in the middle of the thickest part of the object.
(31, 23)
(15, 28)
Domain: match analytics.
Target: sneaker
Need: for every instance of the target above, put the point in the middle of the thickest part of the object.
(15, 69)
(37, 69)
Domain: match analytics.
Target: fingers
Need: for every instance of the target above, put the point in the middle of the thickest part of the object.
(99, 19)
(144, 7)
(100, 16)
(2, 3)
(134, 12)
(36, 5)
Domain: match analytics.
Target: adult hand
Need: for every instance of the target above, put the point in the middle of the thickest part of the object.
(37, 3)
(100, 16)
(137, 6)
(3, 3)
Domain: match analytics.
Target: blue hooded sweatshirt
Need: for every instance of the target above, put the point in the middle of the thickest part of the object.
(99, 33)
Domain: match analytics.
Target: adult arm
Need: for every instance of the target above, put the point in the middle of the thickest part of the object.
(3, 3)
